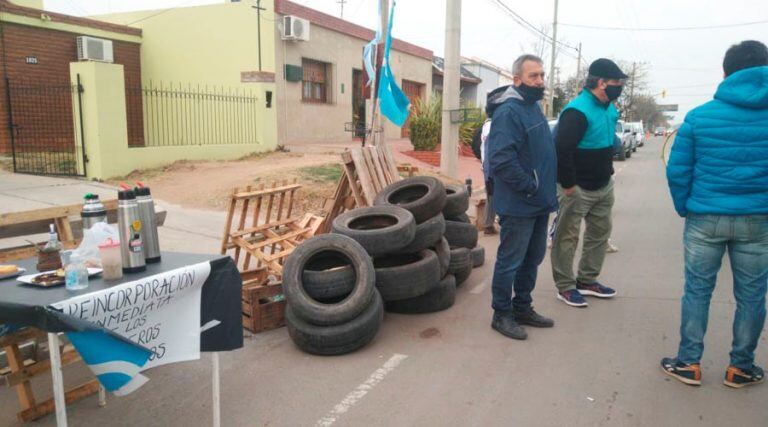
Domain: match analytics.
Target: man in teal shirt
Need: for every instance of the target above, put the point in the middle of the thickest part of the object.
(584, 141)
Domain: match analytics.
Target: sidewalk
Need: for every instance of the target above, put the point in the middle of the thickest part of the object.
(185, 229)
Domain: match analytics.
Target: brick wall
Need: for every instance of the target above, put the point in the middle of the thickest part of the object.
(54, 51)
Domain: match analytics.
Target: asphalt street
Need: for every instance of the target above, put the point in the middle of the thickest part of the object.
(597, 366)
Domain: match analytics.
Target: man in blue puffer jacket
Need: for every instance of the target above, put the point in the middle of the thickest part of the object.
(522, 167)
(718, 177)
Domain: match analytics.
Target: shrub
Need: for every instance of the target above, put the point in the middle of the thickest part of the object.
(424, 125)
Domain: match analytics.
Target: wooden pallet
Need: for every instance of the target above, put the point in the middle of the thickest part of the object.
(261, 227)
(366, 171)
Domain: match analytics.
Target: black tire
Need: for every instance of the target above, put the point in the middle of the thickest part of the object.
(461, 264)
(460, 234)
(443, 252)
(460, 218)
(340, 339)
(456, 200)
(440, 298)
(404, 276)
(379, 229)
(328, 276)
(622, 156)
(423, 196)
(478, 256)
(316, 312)
(428, 233)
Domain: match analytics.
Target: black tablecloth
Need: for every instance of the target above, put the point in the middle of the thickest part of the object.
(26, 305)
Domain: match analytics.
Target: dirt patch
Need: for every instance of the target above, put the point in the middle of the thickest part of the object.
(207, 185)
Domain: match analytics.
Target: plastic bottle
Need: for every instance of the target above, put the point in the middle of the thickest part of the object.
(75, 272)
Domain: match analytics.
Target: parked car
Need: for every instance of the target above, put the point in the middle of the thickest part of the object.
(659, 131)
(624, 133)
(639, 133)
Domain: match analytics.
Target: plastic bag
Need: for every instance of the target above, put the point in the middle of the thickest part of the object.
(92, 238)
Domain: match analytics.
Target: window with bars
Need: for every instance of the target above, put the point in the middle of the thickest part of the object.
(316, 81)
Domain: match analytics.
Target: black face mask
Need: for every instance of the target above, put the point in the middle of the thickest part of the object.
(613, 92)
(530, 93)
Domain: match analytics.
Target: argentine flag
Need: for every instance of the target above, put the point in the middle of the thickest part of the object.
(115, 362)
(393, 102)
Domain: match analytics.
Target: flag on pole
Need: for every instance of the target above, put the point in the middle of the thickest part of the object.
(393, 102)
(370, 50)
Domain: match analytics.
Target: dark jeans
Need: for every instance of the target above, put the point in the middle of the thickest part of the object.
(522, 246)
(707, 238)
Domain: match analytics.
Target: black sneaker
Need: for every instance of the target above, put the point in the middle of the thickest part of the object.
(531, 318)
(686, 373)
(504, 323)
(738, 378)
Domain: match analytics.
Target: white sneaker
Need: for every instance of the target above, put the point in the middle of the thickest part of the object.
(612, 249)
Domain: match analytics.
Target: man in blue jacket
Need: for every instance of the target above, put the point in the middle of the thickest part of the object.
(718, 177)
(522, 167)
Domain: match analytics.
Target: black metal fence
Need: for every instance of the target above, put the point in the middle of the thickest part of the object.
(45, 127)
(177, 115)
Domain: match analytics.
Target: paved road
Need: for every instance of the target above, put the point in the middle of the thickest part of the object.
(598, 366)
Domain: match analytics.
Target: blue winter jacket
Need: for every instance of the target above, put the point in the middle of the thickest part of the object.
(719, 161)
(521, 157)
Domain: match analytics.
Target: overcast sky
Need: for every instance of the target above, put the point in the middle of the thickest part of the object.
(688, 64)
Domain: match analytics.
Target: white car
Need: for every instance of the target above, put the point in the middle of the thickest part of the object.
(624, 133)
(639, 133)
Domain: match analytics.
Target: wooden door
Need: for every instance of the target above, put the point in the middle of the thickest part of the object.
(413, 91)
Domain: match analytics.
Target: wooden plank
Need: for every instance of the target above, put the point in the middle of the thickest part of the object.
(23, 390)
(375, 169)
(363, 175)
(380, 169)
(286, 236)
(262, 227)
(263, 193)
(241, 223)
(349, 176)
(44, 366)
(48, 406)
(254, 223)
(48, 214)
(387, 153)
(228, 223)
(280, 205)
(291, 196)
(21, 336)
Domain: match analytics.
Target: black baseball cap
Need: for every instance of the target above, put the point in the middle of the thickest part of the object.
(606, 69)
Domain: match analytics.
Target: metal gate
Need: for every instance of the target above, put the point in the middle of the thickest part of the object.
(46, 129)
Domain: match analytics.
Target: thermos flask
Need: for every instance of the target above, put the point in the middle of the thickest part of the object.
(148, 224)
(93, 211)
(129, 223)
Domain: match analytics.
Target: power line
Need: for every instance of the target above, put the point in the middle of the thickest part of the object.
(707, 27)
(527, 25)
(182, 4)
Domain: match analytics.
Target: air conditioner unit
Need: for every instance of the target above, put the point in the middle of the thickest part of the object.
(93, 49)
(295, 28)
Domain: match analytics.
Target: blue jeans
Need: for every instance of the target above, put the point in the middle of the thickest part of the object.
(522, 246)
(706, 239)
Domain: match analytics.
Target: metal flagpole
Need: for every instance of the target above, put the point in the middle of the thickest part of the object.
(58, 380)
(216, 390)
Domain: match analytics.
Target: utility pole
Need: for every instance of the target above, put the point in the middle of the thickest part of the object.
(258, 26)
(342, 3)
(551, 83)
(578, 72)
(449, 153)
(378, 137)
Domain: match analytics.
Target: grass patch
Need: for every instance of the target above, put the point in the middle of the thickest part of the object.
(324, 173)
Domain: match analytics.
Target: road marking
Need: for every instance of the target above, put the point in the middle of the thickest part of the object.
(358, 393)
(479, 288)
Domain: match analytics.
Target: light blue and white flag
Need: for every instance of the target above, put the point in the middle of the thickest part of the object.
(370, 50)
(392, 101)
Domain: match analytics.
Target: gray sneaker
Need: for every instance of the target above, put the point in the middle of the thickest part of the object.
(505, 324)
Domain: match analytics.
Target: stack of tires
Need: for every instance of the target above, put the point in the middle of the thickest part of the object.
(333, 306)
(400, 254)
